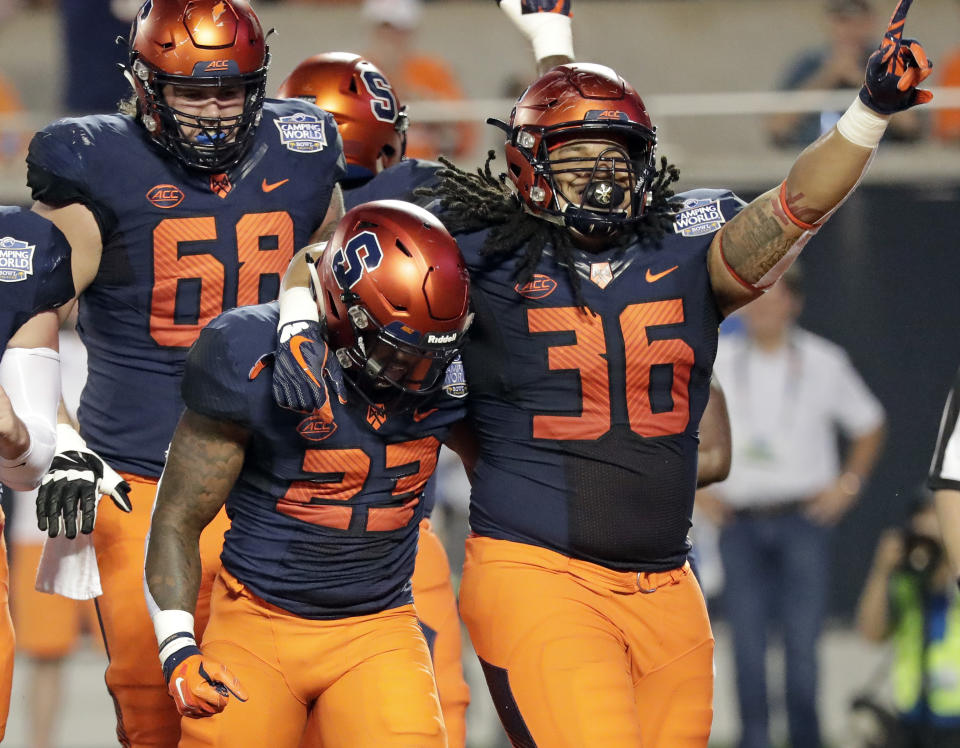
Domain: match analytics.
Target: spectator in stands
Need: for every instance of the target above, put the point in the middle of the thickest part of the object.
(416, 76)
(788, 391)
(910, 600)
(838, 64)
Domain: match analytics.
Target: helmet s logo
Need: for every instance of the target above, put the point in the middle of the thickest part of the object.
(217, 66)
(218, 10)
(165, 196)
(361, 253)
(538, 287)
(384, 104)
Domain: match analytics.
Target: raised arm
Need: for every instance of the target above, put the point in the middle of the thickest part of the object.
(547, 24)
(755, 248)
(205, 458)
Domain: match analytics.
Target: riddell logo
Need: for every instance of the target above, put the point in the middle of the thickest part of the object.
(165, 196)
(441, 339)
(315, 429)
(217, 65)
(538, 287)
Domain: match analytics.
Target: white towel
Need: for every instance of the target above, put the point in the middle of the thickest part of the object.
(69, 568)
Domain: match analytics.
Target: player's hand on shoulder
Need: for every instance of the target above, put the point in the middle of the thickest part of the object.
(200, 685)
(73, 485)
(896, 69)
(300, 371)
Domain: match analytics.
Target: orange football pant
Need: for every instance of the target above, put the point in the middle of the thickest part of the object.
(580, 656)
(436, 607)
(146, 715)
(368, 679)
(47, 626)
(7, 642)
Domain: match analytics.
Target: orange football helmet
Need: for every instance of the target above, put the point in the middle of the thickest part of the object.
(370, 118)
(393, 293)
(581, 102)
(198, 43)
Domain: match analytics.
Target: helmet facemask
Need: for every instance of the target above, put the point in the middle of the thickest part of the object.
(207, 144)
(610, 181)
(395, 366)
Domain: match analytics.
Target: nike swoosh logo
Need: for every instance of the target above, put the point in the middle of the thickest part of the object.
(654, 277)
(266, 187)
(295, 342)
(418, 416)
(177, 682)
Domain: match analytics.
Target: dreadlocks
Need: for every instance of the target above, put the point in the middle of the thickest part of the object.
(471, 202)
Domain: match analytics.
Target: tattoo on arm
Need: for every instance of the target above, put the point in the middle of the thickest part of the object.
(204, 461)
(758, 237)
(797, 205)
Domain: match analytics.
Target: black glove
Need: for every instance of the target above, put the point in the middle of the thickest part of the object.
(73, 485)
(896, 69)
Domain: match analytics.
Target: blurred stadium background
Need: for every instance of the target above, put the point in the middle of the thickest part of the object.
(881, 276)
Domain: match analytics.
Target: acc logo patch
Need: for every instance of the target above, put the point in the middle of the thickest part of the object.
(16, 259)
(702, 219)
(301, 133)
(165, 196)
(455, 380)
(315, 429)
(538, 287)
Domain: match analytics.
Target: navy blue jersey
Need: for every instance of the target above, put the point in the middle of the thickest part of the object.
(397, 183)
(588, 420)
(34, 269)
(179, 247)
(324, 516)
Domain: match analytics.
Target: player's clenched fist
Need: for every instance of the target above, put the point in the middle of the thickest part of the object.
(896, 69)
(200, 686)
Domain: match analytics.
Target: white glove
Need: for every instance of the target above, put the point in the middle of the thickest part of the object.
(73, 485)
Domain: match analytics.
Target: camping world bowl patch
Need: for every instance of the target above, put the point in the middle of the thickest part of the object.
(302, 133)
(699, 220)
(16, 259)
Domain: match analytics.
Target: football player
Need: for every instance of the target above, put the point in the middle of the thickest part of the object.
(598, 293)
(312, 609)
(372, 124)
(190, 201)
(35, 269)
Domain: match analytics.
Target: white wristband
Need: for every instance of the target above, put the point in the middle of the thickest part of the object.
(297, 304)
(168, 623)
(551, 34)
(861, 125)
(554, 38)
